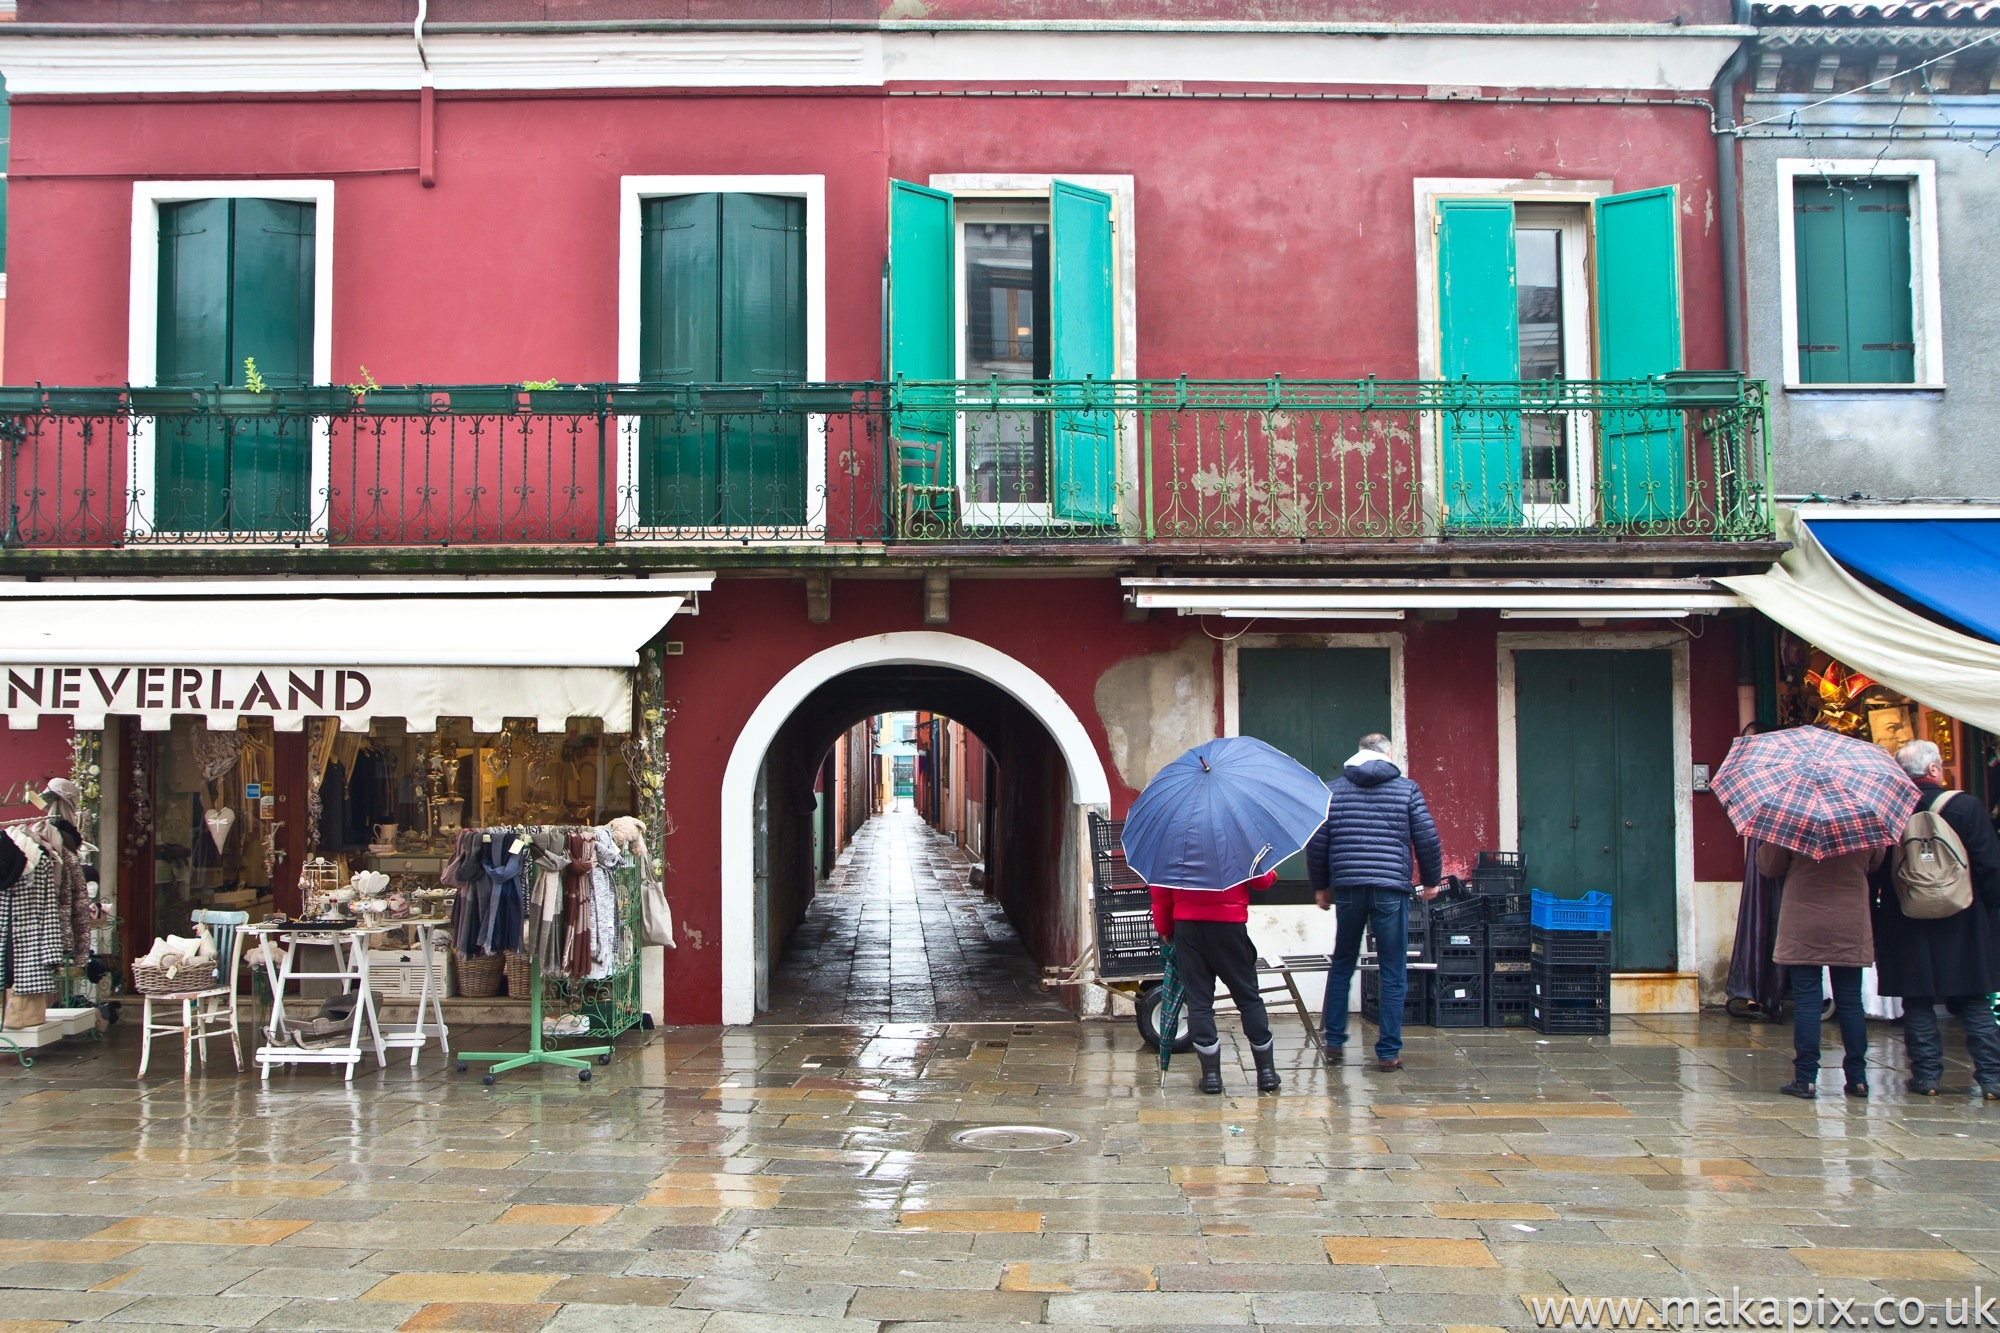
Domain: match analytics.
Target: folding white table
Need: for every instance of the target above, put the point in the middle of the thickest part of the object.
(397, 1036)
(350, 953)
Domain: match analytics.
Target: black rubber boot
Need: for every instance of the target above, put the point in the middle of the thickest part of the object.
(1267, 1067)
(1211, 1067)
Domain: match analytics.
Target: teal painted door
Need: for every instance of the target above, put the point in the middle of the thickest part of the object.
(236, 285)
(1594, 763)
(1315, 704)
(722, 301)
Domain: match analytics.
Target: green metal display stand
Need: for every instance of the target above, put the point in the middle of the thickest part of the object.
(608, 1024)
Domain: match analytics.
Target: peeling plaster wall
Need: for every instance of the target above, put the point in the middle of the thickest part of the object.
(1157, 707)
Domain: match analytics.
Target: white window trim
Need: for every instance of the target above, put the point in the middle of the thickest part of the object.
(1124, 231)
(1927, 302)
(142, 338)
(1232, 681)
(812, 189)
(1686, 942)
(1428, 191)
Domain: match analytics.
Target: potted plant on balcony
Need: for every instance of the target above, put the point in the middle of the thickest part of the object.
(483, 399)
(549, 396)
(162, 401)
(252, 398)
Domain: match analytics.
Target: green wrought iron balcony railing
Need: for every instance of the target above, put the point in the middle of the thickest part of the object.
(1180, 462)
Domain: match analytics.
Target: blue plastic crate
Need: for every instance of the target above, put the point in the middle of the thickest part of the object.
(1590, 912)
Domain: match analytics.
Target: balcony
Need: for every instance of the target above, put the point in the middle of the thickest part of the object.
(1158, 463)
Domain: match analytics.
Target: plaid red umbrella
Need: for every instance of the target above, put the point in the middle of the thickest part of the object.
(1814, 791)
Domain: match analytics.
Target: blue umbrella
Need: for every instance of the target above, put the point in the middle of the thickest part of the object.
(1222, 813)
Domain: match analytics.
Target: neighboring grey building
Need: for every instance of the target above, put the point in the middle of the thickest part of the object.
(1871, 226)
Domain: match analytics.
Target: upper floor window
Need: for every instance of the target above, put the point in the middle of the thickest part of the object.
(1519, 286)
(1858, 243)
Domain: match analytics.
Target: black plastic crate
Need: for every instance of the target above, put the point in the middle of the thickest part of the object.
(1459, 949)
(1458, 1000)
(1457, 909)
(1107, 858)
(1509, 909)
(1492, 860)
(1499, 873)
(1571, 948)
(1416, 1000)
(1127, 944)
(1510, 985)
(1505, 962)
(1573, 987)
(1509, 935)
(1508, 1011)
(1552, 1021)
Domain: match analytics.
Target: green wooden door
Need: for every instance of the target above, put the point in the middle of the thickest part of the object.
(722, 301)
(1315, 704)
(236, 284)
(1594, 766)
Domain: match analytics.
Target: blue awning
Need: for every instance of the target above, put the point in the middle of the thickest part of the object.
(1951, 565)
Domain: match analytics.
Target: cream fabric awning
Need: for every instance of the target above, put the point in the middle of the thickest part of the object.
(488, 649)
(1814, 597)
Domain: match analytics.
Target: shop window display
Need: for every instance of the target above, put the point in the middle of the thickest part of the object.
(1816, 689)
(214, 818)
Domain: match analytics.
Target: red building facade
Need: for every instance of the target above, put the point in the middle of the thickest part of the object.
(1257, 489)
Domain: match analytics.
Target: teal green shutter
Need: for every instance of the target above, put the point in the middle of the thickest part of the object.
(1083, 345)
(1851, 264)
(680, 330)
(1642, 469)
(271, 321)
(763, 342)
(923, 344)
(6, 141)
(191, 454)
(1479, 338)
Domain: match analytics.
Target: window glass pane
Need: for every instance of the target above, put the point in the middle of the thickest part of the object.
(1538, 289)
(1006, 338)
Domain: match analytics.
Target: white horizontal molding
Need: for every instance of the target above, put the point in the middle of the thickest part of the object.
(1681, 61)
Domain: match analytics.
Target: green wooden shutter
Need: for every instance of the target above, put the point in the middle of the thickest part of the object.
(1479, 337)
(1642, 470)
(191, 454)
(6, 141)
(1083, 345)
(763, 341)
(271, 321)
(923, 344)
(1851, 268)
(680, 336)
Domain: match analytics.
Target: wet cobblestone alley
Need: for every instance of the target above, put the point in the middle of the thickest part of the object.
(898, 935)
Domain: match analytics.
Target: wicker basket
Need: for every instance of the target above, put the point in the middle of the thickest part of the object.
(148, 979)
(479, 978)
(517, 975)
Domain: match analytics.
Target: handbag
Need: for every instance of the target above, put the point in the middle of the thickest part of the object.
(656, 924)
(25, 1011)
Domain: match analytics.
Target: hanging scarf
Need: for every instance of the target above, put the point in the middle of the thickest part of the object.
(577, 907)
(501, 930)
(603, 904)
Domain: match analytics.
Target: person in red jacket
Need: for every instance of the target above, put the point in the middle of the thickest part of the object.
(1211, 940)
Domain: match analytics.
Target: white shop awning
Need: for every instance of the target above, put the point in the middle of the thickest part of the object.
(1390, 598)
(356, 649)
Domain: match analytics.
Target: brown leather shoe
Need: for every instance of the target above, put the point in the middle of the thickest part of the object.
(1389, 1066)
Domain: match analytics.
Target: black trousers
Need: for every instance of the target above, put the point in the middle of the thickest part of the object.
(1212, 951)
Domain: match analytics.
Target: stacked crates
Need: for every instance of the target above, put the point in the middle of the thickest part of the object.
(1416, 1002)
(1127, 945)
(1458, 986)
(1570, 954)
(1510, 988)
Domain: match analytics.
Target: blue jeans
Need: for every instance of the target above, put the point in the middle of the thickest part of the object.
(1388, 911)
(1926, 1043)
(1847, 1011)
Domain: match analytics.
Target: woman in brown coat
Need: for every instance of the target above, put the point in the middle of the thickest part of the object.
(1823, 921)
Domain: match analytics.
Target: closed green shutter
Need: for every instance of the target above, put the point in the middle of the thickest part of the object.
(1083, 346)
(1479, 339)
(1851, 263)
(6, 153)
(923, 341)
(236, 283)
(722, 293)
(1643, 465)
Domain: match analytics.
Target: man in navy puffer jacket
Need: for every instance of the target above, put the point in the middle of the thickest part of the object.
(1359, 864)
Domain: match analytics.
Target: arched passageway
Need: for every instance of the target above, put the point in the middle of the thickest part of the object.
(1046, 777)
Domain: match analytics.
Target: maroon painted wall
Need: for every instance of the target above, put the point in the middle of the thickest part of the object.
(1300, 261)
(33, 757)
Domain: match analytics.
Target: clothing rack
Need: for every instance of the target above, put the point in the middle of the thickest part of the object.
(614, 1014)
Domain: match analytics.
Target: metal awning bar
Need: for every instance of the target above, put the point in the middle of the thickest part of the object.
(1549, 598)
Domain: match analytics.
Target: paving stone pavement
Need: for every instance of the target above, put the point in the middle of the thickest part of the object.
(896, 934)
(792, 1178)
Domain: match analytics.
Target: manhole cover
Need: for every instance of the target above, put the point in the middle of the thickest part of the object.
(1014, 1138)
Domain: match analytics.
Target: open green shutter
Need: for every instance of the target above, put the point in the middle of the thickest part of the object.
(1083, 345)
(680, 336)
(763, 342)
(271, 321)
(923, 345)
(1479, 338)
(1643, 473)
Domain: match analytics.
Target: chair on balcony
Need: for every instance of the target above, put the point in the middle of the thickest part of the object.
(207, 1012)
(924, 507)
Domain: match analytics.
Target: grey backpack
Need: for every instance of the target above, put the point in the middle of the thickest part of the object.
(1933, 875)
